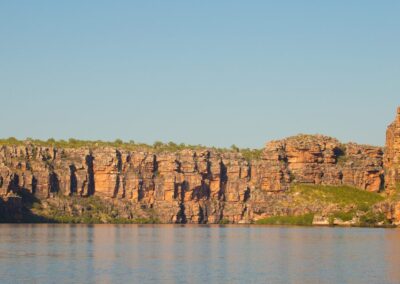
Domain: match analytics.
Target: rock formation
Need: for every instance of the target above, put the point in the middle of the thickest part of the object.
(191, 186)
(392, 155)
(202, 185)
(323, 160)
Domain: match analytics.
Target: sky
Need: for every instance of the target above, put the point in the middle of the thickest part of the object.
(206, 72)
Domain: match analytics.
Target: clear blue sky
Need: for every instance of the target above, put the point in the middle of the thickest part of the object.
(201, 72)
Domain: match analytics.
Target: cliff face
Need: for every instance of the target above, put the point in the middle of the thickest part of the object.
(323, 160)
(188, 186)
(392, 155)
(392, 167)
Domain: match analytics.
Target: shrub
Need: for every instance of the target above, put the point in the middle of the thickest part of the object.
(251, 154)
(235, 148)
(344, 216)
(302, 220)
(158, 144)
(372, 219)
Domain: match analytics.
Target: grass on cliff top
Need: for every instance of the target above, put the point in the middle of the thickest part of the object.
(341, 195)
(302, 220)
(158, 146)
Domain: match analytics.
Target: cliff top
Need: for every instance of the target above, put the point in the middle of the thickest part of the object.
(160, 147)
(300, 139)
(157, 147)
(307, 138)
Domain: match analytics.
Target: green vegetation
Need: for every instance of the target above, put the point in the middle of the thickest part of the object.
(158, 146)
(371, 219)
(65, 219)
(350, 203)
(340, 195)
(302, 220)
(292, 177)
(396, 195)
(344, 216)
(235, 148)
(82, 210)
(224, 222)
(11, 141)
(251, 154)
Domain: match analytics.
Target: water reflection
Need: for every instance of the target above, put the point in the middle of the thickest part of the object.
(392, 255)
(197, 254)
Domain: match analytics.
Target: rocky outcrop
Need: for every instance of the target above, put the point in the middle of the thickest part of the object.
(318, 159)
(392, 155)
(191, 186)
(392, 167)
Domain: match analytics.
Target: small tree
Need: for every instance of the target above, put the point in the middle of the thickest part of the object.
(235, 148)
(158, 144)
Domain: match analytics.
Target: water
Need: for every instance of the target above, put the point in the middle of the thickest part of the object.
(197, 254)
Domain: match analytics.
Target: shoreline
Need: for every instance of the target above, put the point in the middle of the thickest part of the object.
(205, 225)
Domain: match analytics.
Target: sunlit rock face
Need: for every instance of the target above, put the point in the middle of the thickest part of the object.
(196, 186)
(201, 186)
(392, 155)
(317, 159)
(392, 164)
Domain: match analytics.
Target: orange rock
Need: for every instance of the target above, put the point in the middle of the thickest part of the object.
(392, 155)
(200, 185)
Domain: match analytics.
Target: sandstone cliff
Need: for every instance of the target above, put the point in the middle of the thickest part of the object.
(200, 185)
(191, 186)
(392, 155)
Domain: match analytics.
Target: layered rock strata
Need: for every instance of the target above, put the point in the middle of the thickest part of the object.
(188, 186)
(392, 155)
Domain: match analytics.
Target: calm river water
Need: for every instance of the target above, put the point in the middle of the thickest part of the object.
(197, 254)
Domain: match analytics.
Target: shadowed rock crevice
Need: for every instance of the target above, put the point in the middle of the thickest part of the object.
(247, 195)
(155, 166)
(201, 192)
(202, 216)
(13, 185)
(180, 194)
(223, 181)
(116, 189)
(90, 175)
(119, 172)
(140, 190)
(34, 185)
(181, 216)
(73, 180)
(54, 184)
